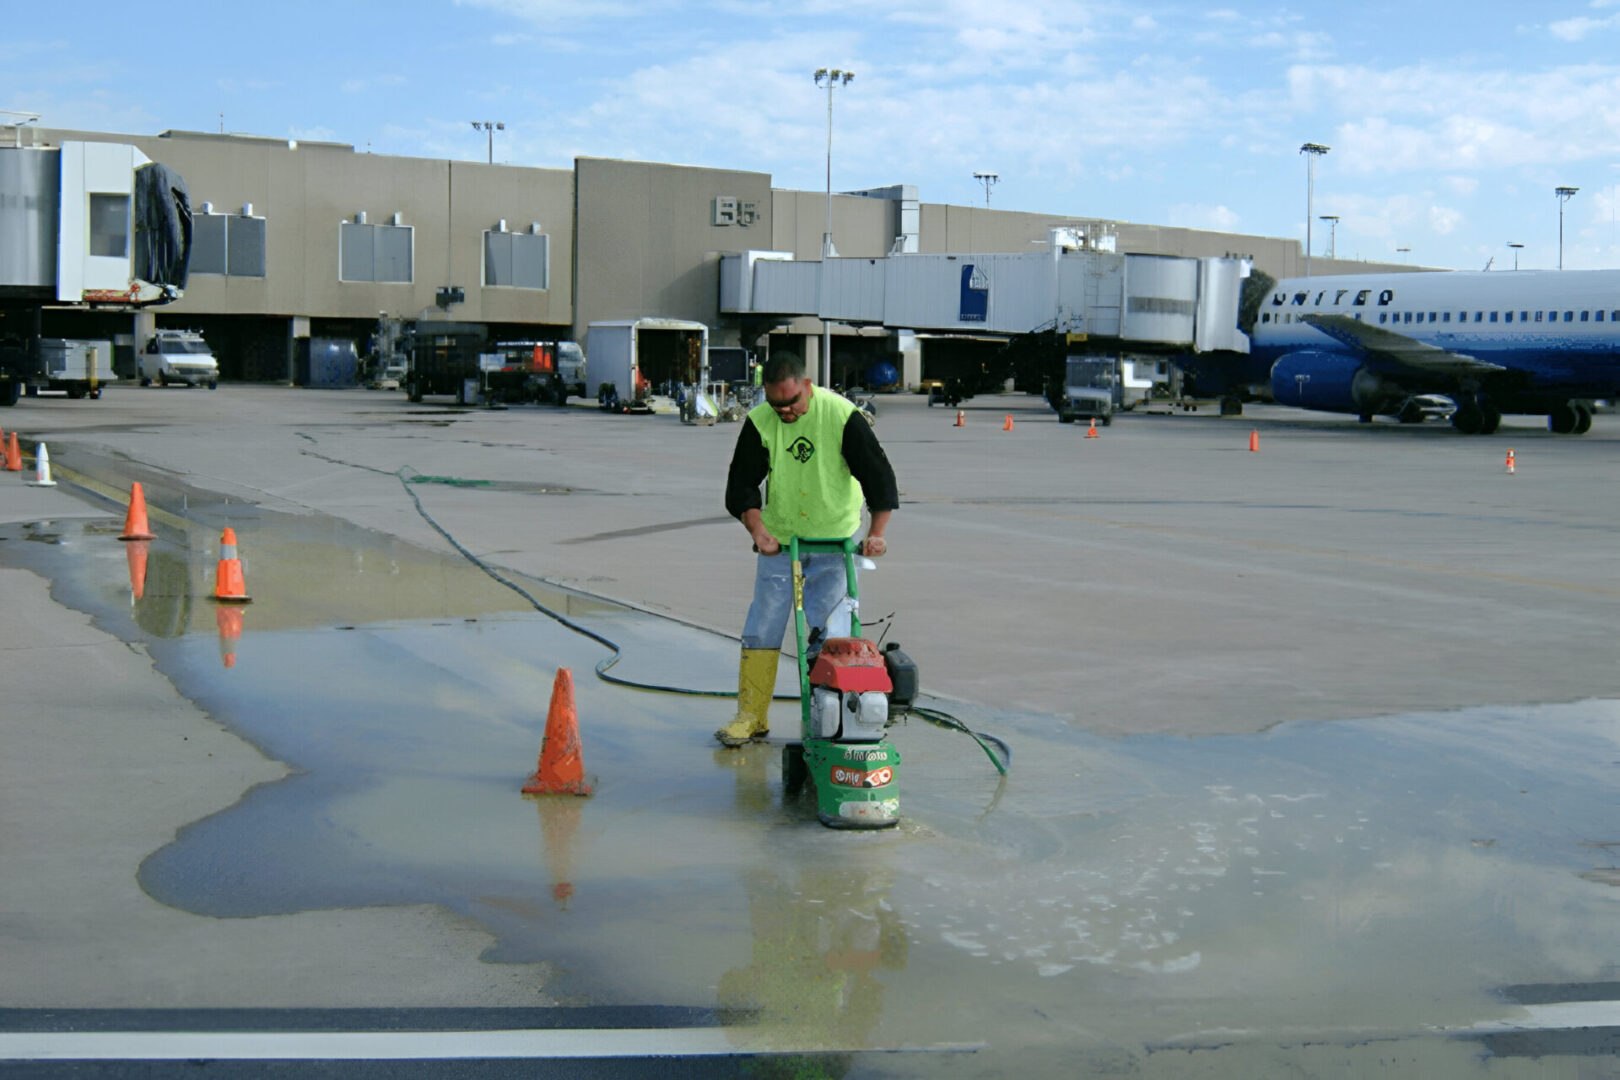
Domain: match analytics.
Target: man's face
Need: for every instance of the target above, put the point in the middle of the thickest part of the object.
(789, 399)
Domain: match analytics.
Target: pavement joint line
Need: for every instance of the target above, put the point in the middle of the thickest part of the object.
(107, 491)
(407, 1045)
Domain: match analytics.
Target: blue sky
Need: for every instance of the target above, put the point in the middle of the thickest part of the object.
(1450, 123)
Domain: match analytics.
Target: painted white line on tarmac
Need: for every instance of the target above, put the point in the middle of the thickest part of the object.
(1560, 1016)
(363, 1045)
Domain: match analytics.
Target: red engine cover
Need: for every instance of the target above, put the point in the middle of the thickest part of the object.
(851, 664)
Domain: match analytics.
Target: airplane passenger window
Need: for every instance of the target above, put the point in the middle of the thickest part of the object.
(1478, 315)
(1600, 316)
(1407, 318)
(1569, 316)
(1265, 317)
(1583, 316)
(1538, 316)
(1510, 316)
(1524, 316)
(1614, 316)
(1383, 316)
(1493, 316)
(1446, 317)
(1431, 316)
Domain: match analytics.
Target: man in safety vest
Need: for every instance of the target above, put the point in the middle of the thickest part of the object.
(822, 459)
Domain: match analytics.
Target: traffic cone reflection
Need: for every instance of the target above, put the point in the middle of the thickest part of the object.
(229, 621)
(136, 553)
(42, 468)
(13, 455)
(559, 821)
(228, 584)
(1254, 442)
(562, 761)
(135, 526)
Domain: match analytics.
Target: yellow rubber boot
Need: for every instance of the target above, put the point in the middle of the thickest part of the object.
(756, 682)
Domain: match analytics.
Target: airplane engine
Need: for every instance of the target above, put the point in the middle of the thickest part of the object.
(1332, 382)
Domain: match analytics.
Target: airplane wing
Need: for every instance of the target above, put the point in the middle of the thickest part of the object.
(1398, 349)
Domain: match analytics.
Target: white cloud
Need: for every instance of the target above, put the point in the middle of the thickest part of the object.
(1444, 220)
(1462, 185)
(1577, 28)
(1202, 216)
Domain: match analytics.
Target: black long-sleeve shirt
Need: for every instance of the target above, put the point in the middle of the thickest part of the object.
(751, 463)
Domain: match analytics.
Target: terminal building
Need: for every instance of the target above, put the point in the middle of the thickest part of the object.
(295, 239)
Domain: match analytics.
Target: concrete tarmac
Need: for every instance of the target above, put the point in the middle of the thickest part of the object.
(1160, 578)
(1100, 597)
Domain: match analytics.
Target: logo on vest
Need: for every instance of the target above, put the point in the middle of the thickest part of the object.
(801, 449)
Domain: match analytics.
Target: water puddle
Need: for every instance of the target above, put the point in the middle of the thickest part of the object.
(1370, 876)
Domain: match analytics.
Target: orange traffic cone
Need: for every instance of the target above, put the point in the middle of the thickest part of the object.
(228, 584)
(135, 526)
(136, 553)
(1008, 425)
(13, 455)
(1510, 461)
(1091, 432)
(1254, 442)
(961, 418)
(562, 762)
(229, 621)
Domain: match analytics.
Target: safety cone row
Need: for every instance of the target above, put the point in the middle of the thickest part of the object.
(135, 525)
(229, 587)
(1510, 461)
(42, 468)
(13, 455)
(1091, 432)
(1254, 442)
(562, 763)
(1008, 424)
(961, 418)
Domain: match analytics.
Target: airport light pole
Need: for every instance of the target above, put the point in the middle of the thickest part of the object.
(491, 126)
(988, 179)
(1563, 194)
(832, 77)
(1516, 249)
(1333, 233)
(1312, 151)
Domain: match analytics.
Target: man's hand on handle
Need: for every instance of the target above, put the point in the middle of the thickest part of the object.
(874, 546)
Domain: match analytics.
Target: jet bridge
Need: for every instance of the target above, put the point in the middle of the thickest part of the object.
(1157, 302)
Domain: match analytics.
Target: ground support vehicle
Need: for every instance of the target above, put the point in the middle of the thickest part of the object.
(845, 689)
(81, 368)
(1090, 390)
(444, 359)
(180, 357)
(630, 359)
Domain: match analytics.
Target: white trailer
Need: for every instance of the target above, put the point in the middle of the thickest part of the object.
(632, 359)
(81, 368)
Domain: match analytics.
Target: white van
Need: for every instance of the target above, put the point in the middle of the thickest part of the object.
(178, 356)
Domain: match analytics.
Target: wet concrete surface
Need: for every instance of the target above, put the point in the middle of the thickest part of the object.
(1142, 904)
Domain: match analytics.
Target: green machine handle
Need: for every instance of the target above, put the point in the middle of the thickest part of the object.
(801, 629)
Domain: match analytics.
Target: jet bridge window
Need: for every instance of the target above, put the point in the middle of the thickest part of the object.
(109, 225)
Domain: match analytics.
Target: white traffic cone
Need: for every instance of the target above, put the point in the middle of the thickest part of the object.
(42, 468)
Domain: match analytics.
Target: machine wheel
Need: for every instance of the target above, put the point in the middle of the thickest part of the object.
(413, 392)
(146, 380)
(794, 770)
(1108, 421)
(74, 393)
(213, 384)
(32, 391)
(10, 391)
(1065, 417)
(1584, 422)
(1563, 420)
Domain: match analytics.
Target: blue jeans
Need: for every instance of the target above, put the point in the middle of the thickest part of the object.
(824, 586)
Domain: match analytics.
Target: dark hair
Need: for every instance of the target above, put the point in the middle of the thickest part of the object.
(783, 365)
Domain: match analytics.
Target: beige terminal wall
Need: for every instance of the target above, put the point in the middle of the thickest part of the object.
(649, 245)
(305, 190)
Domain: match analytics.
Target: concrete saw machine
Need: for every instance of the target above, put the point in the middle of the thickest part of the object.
(848, 689)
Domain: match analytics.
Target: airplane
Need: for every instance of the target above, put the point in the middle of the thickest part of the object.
(1520, 342)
